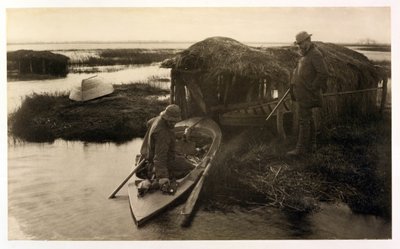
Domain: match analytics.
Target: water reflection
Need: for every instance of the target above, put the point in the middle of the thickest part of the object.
(17, 90)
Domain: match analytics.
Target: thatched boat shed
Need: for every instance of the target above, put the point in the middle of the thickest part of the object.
(37, 62)
(240, 84)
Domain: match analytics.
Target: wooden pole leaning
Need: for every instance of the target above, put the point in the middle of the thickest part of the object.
(278, 104)
(127, 178)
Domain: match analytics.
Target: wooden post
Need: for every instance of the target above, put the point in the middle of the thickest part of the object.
(172, 88)
(181, 95)
(219, 87)
(384, 93)
(227, 86)
(260, 89)
(43, 66)
(265, 93)
(279, 117)
(172, 94)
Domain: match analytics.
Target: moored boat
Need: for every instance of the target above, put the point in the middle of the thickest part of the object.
(199, 149)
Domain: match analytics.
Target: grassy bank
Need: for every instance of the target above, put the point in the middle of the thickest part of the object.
(351, 165)
(118, 117)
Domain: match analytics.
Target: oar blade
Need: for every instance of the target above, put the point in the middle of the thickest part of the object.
(126, 179)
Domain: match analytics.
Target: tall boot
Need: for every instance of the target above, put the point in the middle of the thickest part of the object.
(302, 140)
(313, 137)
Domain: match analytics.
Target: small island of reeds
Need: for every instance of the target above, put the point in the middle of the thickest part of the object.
(118, 117)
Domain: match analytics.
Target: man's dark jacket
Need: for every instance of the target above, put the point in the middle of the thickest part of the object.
(159, 145)
(309, 78)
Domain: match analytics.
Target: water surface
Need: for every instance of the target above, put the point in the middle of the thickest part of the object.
(59, 191)
(17, 90)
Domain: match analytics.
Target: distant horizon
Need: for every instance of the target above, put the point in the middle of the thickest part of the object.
(130, 41)
(172, 41)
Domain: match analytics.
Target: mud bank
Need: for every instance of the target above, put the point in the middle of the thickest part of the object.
(352, 165)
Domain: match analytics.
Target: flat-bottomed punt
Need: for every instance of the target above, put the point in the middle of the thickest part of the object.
(205, 135)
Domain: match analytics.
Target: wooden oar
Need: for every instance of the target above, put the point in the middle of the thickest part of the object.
(191, 201)
(126, 179)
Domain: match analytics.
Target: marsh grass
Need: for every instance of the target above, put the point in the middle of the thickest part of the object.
(118, 117)
(106, 57)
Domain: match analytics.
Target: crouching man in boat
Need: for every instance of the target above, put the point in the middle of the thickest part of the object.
(309, 78)
(158, 149)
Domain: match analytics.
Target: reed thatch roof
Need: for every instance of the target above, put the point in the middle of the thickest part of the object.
(27, 54)
(221, 55)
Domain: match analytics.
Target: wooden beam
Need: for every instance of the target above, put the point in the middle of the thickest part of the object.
(351, 92)
(233, 107)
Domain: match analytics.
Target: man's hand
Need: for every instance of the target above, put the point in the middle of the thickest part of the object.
(186, 133)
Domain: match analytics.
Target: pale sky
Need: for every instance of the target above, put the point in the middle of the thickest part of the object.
(266, 24)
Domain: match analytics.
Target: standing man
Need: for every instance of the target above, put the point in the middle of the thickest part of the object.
(309, 78)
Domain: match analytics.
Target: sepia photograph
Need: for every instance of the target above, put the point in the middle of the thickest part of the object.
(179, 123)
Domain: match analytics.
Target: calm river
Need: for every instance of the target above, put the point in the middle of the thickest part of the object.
(59, 191)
